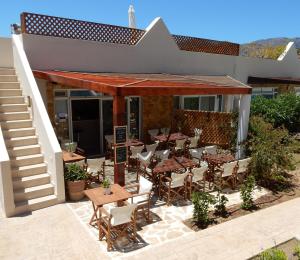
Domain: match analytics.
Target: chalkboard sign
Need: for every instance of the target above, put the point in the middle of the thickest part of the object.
(120, 154)
(120, 134)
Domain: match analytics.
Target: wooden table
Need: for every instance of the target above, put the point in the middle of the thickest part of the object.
(67, 158)
(215, 160)
(134, 142)
(174, 164)
(173, 137)
(98, 199)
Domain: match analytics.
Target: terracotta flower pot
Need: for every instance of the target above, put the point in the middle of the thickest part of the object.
(76, 189)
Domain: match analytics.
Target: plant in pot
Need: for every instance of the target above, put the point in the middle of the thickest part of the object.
(71, 147)
(75, 176)
(106, 186)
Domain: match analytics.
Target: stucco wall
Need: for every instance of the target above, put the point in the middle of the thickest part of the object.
(6, 53)
(156, 52)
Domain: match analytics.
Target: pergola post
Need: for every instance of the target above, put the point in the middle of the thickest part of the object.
(243, 121)
(119, 120)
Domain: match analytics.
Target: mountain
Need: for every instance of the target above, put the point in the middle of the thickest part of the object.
(268, 48)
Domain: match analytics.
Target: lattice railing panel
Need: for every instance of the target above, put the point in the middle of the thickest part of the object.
(216, 126)
(204, 45)
(75, 29)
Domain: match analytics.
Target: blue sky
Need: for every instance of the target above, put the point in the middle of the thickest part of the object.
(232, 20)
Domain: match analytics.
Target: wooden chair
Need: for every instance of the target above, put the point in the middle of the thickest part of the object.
(242, 170)
(163, 154)
(151, 147)
(180, 145)
(196, 154)
(109, 146)
(144, 161)
(153, 133)
(141, 194)
(165, 130)
(198, 180)
(116, 222)
(211, 149)
(174, 187)
(194, 141)
(227, 174)
(135, 150)
(96, 170)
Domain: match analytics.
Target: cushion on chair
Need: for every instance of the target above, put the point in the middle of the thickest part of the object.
(139, 199)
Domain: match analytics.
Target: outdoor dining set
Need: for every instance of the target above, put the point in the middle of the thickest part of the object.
(170, 168)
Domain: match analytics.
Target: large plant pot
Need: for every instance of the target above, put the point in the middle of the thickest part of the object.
(76, 189)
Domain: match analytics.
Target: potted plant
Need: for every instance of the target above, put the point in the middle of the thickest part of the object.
(75, 176)
(71, 147)
(106, 186)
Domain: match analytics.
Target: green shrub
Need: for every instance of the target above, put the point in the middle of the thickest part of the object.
(284, 110)
(247, 193)
(273, 254)
(75, 172)
(106, 183)
(271, 153)
(297, 251)
(220, 206)
(201, 202)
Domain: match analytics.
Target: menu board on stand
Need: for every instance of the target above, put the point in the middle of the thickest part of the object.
(120, 140)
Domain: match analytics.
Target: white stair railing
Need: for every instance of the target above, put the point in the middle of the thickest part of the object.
(46, 135)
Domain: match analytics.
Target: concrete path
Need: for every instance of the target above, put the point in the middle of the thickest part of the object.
(240, 238)
(51, 233)
(55, 233)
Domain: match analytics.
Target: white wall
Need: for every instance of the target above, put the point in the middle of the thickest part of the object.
(6, 54)
(156, 52)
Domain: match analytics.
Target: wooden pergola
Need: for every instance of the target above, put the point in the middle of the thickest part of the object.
(121, 85)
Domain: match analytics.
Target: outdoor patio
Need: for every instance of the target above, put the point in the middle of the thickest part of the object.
(167, 223)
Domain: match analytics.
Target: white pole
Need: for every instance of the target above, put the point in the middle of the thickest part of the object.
(244, 113)
(131, 17)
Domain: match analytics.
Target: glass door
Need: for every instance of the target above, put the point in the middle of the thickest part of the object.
(107, 120)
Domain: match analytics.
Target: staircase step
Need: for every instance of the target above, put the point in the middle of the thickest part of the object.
(27, 160)
(7, 71)
(24, 150)
(29, 170)
(20, 132)
(33, 192)
(12, 100)
(13, 107)
(10, 92)
(15, 124)
(21, 141)
(8, 116)
(8, 78)
(35, 204)
(31, 181)
(9, 85)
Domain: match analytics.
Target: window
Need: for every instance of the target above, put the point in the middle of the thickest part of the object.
(84, 93)
(205, 103)
(265, 92)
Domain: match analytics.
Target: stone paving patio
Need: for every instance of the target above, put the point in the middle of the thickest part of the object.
(167, 221)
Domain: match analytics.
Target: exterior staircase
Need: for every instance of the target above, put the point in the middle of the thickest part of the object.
(31, 183)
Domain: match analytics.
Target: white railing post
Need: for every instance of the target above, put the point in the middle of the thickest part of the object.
(46, 135)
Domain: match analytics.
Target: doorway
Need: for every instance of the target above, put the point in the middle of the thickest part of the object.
(86, 125)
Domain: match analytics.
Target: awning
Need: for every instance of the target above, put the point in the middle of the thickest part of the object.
(273, 80)
(119, 84)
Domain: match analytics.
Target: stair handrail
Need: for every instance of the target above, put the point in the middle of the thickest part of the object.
(47, 138)
(7, 202)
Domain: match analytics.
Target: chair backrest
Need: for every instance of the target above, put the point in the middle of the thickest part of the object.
(153, 132)
(211, 149)
(165, 130)
(151, 147)
(194, 141)
(122, 215)
(144, 185)
(180, 143)
(198, 173)
(197, 153)
(163, 154)
(145, 158)
(135, 150)
(228, 168)
(95, 165)
(178, 179)
(243, 165)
